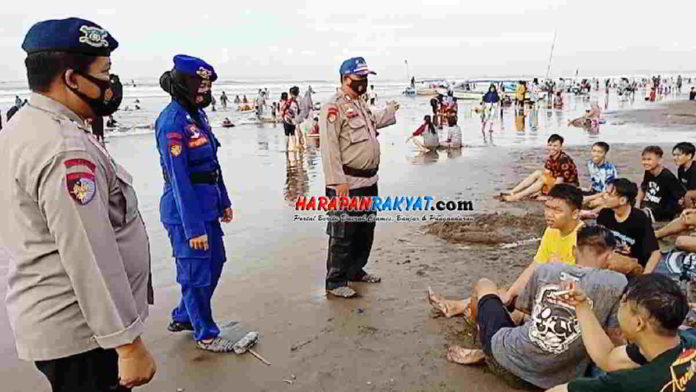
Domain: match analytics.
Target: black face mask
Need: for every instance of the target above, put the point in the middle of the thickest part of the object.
(110, 96)
(358, 86)
(206, 100)
(184, 88)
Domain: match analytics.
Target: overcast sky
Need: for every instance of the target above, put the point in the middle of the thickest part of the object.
(308, 39)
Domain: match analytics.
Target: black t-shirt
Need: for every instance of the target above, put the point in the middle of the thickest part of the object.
(664, 191)
(669, 371)
(688, 177)
(635, 237)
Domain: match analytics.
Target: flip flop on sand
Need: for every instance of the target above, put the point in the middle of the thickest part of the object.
(369, 278)
(342, 292)
(465, 356)
(441, 304)
(217, 345)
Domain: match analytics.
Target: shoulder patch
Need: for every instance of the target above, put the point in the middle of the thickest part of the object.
(175, 149)
(331, 113)
(80, 162)
(174, 135)
(81, 187)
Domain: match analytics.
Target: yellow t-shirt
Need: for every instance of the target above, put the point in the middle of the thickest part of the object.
(553, 244)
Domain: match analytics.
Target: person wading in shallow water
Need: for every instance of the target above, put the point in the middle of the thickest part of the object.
(350, 157)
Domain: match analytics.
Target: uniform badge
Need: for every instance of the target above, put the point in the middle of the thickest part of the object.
(350, 113)
(197, 142)
(193, 131)
(175, 149)
(94, 36)
(81, 187)
(332, 114)
(204, 73)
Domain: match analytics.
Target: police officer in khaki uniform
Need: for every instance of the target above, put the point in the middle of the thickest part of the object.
(350, 156)
(79, 275)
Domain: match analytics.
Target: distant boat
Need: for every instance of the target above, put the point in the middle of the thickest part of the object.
(463, 94)
(410, 91)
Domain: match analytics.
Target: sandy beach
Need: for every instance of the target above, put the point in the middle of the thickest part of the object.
(388, 339)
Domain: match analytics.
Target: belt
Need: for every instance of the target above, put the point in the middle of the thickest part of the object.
(364, 173)
(200, 178)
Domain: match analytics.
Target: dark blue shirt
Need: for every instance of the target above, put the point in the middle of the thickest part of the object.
(187, 146)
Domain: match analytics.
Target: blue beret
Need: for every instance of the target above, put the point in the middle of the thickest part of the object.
(195, 67)
(73, 35)
(355, 66)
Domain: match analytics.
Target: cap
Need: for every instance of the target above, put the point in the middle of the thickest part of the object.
(195, 67)
(355, 66)
(73, 35)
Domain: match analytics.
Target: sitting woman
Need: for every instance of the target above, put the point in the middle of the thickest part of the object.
(425, 137)
(590, 121)
(454, 134)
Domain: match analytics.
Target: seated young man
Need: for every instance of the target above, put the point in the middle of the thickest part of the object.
(683, 154)
(546, 350)
(661, 193)
(562, 214)
(601, 174)
(635, 236)
(559, 168)
(659, 358)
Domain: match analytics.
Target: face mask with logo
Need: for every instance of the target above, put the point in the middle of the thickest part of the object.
(358, 86)
(110, 95)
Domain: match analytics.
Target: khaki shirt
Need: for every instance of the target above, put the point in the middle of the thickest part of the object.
(79, 255)
(348, 136)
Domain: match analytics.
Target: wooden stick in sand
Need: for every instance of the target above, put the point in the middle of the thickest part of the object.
(259, 357)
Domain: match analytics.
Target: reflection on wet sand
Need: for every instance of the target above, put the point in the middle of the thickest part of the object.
(297, 179)
(534, 117)
(425, 157)
(456, 152)
(519, 121)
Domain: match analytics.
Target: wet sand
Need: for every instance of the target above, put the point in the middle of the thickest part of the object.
(672, 114)
(386, 340)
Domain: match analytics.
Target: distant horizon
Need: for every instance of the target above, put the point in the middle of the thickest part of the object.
(377, 79)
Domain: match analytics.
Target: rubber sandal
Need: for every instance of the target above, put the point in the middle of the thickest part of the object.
(369, 278)
(218, 345)
(342, 292)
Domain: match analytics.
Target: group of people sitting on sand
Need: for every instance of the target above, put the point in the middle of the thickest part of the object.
(599, 308)
(444, 118)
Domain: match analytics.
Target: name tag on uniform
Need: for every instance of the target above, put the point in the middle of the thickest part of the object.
(351, 113)
(197, 142)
